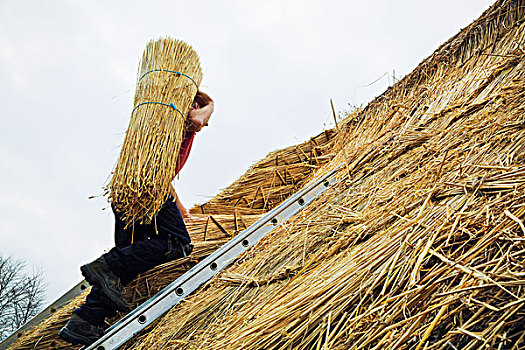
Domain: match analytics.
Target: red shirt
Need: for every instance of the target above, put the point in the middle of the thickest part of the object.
(185, 149)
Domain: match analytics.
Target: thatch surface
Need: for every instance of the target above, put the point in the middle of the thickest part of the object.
(420, 246)
(148, 159)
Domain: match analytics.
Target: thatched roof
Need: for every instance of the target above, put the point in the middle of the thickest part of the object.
(421, 243)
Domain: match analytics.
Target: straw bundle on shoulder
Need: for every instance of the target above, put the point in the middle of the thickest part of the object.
(168, 79)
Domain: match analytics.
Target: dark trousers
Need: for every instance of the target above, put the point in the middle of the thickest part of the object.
(153, 244)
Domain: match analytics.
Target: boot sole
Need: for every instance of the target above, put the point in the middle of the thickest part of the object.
(114, 300)
(74, 338)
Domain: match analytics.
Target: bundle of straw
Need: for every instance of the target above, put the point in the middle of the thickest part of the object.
(168, 80)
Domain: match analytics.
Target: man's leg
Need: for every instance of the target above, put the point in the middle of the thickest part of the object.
(160, 242)
(170, 223)
(139, 257)
(94, 310)
(98, 273)
(108, 281)
(86, 324)
(164, 240)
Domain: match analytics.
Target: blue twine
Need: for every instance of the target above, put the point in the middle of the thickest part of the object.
(158, 103)
(170, 71)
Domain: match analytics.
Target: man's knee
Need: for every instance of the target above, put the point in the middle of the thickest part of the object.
(177, 250)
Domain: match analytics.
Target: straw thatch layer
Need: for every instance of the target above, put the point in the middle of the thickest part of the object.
(420, 246)
(167, 83)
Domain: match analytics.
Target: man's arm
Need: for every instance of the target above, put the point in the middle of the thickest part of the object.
(186, 215)
(198, 117)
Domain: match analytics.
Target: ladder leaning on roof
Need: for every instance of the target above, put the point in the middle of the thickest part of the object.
(168, 297)
(156, 306)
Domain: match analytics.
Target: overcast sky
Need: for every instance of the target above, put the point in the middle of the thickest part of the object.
(67, 79)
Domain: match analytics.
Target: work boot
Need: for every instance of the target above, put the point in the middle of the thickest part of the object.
(98, 273)
(79, 331)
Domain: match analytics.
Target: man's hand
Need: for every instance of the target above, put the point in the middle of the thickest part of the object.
(185, 213)
(200, 112)
(187, 216)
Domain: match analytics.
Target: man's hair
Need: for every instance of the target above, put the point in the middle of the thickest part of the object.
(202, 99)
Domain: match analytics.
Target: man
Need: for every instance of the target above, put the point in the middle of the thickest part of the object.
(165, 239)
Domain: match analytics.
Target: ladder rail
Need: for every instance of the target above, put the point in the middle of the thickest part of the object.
(67, 297)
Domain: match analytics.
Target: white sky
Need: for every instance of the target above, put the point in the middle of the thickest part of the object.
(67, 78)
